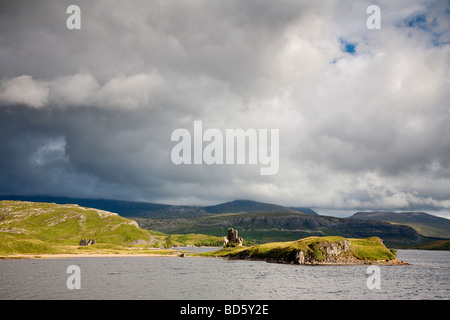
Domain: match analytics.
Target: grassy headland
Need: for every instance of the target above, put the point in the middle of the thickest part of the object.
(32, 228)
(315, 250)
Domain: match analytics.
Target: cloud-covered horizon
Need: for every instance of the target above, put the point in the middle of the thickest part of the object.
(363, 114)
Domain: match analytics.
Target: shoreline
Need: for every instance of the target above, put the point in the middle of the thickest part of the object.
(173, 252)
(86, 255)
(177, 254)
(394, 262)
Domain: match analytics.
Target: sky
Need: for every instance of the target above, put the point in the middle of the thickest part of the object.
(363, 114)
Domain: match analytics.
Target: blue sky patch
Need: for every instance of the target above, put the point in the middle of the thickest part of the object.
(419, 21)
(348, 47)
(436, 25)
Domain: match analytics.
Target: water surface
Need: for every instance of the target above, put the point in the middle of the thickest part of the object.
(428, 277)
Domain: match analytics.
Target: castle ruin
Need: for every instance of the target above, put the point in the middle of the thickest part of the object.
(232, 239)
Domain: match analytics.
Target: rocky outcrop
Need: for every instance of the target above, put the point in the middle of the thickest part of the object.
(339, 252)
(326, 252)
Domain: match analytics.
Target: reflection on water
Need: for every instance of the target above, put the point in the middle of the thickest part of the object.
(428, 277)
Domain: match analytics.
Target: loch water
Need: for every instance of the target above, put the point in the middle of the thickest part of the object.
(174, 278)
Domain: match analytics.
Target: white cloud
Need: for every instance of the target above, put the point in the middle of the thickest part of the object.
(75, 90)
(82, 89)
(24, 90)
(129, 92)
(368, 129)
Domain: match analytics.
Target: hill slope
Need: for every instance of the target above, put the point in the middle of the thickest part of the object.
(282, 226)
(123, 208)
(28, 227)
(305, 210)
(426, 224)
(247, 206)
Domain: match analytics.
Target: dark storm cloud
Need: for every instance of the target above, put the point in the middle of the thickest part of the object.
(90, 112)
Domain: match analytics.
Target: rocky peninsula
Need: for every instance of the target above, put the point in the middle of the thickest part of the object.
(316, 251)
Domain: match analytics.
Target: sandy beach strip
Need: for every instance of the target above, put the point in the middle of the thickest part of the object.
(86, 255)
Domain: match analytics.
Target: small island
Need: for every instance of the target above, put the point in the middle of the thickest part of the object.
(332, 250)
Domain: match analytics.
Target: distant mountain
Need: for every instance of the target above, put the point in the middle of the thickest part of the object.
(265, 227)
(247, 206)
(151, 210)
(123, 208)
(426, 224)
(434, 245)
(305, 210)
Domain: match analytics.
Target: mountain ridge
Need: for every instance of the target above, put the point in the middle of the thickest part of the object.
(424, 223)
(140, 209)
(259, 222)
(247, 206)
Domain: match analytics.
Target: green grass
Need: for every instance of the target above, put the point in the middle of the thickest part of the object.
(45, 228)
(191, 239)
(67, 224)
(10, 245)
(27, 227)
(371, 249)
(198, 240)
